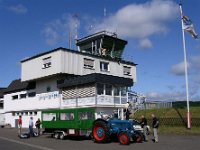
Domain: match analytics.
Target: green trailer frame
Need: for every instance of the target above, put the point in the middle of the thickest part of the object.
(75, 122)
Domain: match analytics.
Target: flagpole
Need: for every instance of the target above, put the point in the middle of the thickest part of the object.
(186, 71)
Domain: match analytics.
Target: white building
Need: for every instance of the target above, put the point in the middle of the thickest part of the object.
(95, 76)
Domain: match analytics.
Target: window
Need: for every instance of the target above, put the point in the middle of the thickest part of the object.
(15, 97)
(127, 70)
(1, 105)
(116, 91)
(66, 116)
(88, 63)
(48, 89)
(86, 115)
(108, 89)
(22, 96)
(123, 91)
(104, 66)
(49, 116)
(100, 89)
(32, 94)
(46, 62)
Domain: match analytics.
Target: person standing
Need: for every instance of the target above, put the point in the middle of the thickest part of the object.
(144, 126)
(155, 125)
(37, 124)
(31, 126)
(19, 121)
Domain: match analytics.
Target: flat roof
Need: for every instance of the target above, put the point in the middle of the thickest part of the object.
(81, 53)
(96, 78)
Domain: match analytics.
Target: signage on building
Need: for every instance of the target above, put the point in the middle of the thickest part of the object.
(49, 95)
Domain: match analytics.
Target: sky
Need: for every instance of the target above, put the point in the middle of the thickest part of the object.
(151, 27)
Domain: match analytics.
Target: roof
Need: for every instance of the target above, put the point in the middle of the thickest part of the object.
(81, 53)
(1, 92)
(96, 78)
(98, 35)
(15, 86)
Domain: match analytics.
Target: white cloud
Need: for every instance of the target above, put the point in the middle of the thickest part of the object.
(168, 96)
(18, 9)
(58, 30)
(179, 69)
(145, 44)
(140, 20)
(195, 61)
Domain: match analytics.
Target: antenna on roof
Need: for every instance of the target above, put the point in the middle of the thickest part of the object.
(73, 28)
(104, 11)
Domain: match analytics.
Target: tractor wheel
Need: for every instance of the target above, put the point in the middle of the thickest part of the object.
(138, 137)
(124, 138)
(100, 132)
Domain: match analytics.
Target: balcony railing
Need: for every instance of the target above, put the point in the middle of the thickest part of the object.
(97, 100)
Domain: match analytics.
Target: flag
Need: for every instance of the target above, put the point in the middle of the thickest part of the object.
(189, 27)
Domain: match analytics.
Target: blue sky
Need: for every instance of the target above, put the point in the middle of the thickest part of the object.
(151, 27)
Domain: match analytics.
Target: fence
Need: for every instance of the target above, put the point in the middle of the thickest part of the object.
(175, 121)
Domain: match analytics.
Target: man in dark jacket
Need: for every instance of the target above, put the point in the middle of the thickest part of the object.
(144, 126)
(155, 125)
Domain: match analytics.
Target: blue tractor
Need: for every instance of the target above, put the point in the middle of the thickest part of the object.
(104, 131)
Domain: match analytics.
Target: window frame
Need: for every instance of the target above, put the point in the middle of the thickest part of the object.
(87, 65)
(128, 73)
(46, 62)
(102, 66)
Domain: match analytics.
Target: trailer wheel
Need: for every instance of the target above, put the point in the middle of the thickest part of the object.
(56, 135)
(124, 138)
(100, 131)
(62, 136)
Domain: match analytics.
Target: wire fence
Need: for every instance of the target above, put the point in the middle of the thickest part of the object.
(175, 121)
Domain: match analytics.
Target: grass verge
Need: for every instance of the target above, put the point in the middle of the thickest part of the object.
(179, 130)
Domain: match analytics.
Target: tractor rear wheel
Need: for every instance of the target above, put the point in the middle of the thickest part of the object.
(100, 132)
(124, 138)
(138, 137)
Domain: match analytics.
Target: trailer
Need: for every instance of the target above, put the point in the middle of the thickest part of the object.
(68, 122)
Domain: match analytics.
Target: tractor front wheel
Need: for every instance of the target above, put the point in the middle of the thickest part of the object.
(124, 138)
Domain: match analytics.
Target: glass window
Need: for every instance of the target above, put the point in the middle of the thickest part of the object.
(15, 97)
(108, 89)
(1, 105)
(127, 70)
(123, 91)
(22, 96)
(66, 116)
(100, 89)
(86, 115)
(88, 63)
(104, 66)
(48, 89)
(46, 62)
(32, 94)
(49, 116)
(116, 91)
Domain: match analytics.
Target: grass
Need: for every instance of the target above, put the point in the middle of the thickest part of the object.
(175, 112)
(179, 130)
(168, 112)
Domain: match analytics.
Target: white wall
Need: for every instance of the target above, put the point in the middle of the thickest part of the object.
(74, 64)
(40, 101)
(10, 119)
(41, 85)
(71, 63)
(33, 69)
